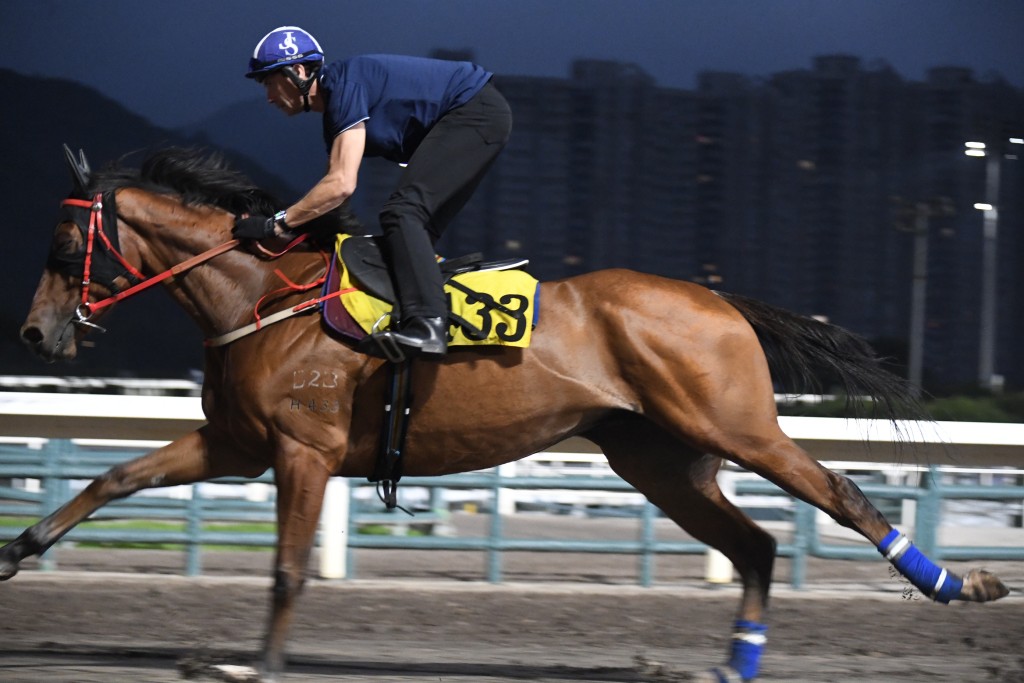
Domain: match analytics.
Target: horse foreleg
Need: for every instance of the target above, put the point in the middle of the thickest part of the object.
(301, 478)
(184, 461)
(683, 484)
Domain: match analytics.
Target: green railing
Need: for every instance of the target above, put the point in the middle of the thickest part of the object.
(57, 463)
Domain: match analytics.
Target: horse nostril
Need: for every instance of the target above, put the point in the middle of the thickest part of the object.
(31, 335)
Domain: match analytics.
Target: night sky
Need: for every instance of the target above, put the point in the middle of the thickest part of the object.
(178, 62)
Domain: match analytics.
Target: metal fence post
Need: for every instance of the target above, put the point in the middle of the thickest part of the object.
(647, 544)
(805, 532)
(194, 530)
(497, 531)
(928, 513)
(55, 453)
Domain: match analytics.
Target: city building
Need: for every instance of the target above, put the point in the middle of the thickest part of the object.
(805, 189)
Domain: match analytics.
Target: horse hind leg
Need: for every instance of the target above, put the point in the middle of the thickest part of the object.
(773, 455)
(682, 483)
(729, 411)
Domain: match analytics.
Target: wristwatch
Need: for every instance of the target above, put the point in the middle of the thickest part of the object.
(279, 219)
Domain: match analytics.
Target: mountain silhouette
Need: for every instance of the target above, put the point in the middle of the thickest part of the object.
(149, 336)
(292, 149)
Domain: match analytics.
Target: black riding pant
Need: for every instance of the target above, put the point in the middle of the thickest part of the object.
(440, 178)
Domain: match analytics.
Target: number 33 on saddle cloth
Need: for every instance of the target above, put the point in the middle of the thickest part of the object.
(490, 304)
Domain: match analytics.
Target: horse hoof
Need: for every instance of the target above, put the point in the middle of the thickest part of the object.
(200, 667)
(235, 674)
(7, 568)
(982, 586)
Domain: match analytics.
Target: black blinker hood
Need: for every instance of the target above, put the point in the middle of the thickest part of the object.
(105, 268)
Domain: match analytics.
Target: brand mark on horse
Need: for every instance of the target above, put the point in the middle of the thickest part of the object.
(316, 379)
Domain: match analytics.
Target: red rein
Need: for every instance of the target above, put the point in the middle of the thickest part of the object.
(86, 309)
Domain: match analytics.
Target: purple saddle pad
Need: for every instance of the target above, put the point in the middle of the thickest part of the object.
(335, 315)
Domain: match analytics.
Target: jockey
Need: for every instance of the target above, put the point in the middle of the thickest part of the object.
(444, 120)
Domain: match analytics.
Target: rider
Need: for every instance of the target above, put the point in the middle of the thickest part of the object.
(445, 120)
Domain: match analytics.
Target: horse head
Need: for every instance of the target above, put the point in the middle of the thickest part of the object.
(84, 265)
(171, 214)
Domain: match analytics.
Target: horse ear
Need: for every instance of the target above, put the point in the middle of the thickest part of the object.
(80, 171)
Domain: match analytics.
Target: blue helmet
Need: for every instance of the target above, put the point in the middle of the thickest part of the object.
(284, 46)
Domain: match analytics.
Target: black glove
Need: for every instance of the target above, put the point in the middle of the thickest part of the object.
(253, 227)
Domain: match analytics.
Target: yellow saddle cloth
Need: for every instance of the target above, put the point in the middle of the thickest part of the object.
(489, 307)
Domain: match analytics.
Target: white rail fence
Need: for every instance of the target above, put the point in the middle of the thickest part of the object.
(850, 445)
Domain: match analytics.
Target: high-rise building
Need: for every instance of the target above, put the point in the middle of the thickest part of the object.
(785, 188)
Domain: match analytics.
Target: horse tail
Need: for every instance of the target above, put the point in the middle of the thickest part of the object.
(805, 354)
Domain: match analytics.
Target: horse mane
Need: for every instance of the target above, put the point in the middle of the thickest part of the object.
(203, 177)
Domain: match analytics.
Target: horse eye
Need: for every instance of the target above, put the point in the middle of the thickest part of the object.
(64, 242)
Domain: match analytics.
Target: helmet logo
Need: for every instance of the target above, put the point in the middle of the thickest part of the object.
(283, 46)
(289, 46)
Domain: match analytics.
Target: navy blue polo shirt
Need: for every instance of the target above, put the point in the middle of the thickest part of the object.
(399, 98)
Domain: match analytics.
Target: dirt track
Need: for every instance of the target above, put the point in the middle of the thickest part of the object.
(561, 618)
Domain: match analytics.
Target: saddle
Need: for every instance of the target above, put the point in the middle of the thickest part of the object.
(490, 303)
(365, 260)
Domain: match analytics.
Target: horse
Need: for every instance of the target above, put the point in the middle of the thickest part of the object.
(668, 378)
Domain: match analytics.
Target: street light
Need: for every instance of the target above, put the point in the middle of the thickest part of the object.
(913, 217)
(974, 149)
(989, 261)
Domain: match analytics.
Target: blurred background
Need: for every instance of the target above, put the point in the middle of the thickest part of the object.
(810, 154)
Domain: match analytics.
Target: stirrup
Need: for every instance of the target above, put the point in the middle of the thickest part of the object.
(418, 336)
(389, 348)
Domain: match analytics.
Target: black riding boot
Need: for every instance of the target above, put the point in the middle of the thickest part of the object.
(423, 324)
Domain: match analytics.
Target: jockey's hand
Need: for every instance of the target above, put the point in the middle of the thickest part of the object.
(255, 227)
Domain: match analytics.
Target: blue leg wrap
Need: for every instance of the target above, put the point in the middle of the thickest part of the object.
(748, 641)
(930, 579)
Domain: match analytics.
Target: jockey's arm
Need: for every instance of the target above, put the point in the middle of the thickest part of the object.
(339, 182)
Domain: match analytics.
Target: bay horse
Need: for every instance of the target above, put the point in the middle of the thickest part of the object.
(667, 377)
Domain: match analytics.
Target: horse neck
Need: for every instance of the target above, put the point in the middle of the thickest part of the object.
(219, 294)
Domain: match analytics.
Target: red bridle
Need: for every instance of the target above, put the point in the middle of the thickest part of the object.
(85, 309)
